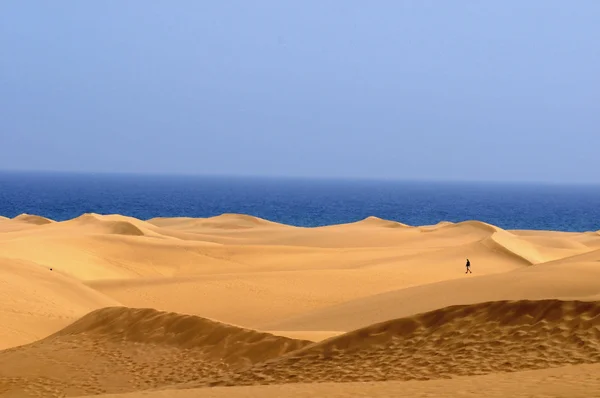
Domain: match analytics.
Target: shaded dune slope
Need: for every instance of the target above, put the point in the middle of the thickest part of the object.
(509, 244)
(460, 340)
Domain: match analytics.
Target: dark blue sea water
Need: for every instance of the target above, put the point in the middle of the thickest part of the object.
(301, 202)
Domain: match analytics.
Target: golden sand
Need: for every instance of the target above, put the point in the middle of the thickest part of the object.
(108, 304)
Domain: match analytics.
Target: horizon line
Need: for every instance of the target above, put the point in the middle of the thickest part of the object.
(302, 177)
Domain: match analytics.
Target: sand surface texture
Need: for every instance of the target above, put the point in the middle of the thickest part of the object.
(235, 305)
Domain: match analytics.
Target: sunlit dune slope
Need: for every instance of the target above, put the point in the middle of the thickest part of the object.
(274, 283)
(575, 277)
(35, 301)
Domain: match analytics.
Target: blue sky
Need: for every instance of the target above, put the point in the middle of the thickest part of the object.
(467, 90)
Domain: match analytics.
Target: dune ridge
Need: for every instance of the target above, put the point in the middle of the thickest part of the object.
(430, 228)
(372, 221)
(510, 244)
(227, 343)
(225, 221)
(106, 225)
(498, 239)
(479, 225)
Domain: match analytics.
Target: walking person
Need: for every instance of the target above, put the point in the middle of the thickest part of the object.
(468, 267)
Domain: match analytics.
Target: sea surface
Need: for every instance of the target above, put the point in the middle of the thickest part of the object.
(301, 202)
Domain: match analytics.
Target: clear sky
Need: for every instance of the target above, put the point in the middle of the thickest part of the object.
(470, 90)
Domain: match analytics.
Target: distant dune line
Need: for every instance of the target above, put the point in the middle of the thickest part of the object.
(246, 220)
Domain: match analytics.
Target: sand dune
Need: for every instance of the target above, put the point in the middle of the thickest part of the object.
(335, 285)
(117, 350)
(121, 349)
(220, 342)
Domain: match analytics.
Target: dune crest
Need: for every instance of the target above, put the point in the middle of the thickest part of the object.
(106, 224)
(32, 219)
(505, 242)
(474, 224)
(373, 221)
(225, 221)
(430, 228)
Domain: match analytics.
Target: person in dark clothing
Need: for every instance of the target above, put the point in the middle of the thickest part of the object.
(468, 267)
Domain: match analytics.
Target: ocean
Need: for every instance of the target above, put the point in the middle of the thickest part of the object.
(301, 202)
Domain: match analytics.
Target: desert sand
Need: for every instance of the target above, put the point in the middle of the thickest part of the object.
(235, 305)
